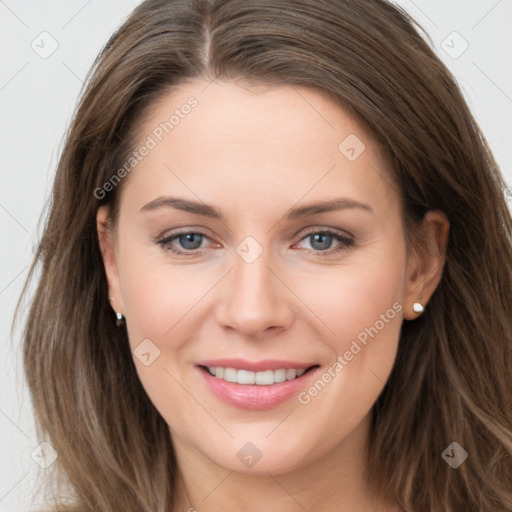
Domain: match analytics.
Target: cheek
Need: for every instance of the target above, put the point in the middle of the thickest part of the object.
(159, 303)
(352, 298)
(157, 295)
(361, 303)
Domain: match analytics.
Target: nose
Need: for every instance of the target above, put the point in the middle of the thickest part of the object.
(255, 298)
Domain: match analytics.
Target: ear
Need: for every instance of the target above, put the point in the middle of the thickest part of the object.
(108, 252)
(426, 261)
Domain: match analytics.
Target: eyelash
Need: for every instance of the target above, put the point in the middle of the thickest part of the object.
(345, 242)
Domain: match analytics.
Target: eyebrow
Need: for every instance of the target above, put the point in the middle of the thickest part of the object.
(199, 208)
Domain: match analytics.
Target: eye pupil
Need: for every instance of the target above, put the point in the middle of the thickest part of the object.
(320, 237)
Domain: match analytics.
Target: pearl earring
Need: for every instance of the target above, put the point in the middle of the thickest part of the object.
(120, 319)
(418, 307)
(119, 316)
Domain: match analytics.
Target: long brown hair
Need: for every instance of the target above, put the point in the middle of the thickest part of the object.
(451, 381)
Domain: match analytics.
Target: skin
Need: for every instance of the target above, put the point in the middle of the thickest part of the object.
(255, 153)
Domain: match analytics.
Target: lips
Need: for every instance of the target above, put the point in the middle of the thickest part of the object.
(255, 385)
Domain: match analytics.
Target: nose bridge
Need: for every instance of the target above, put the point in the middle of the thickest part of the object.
(256, 299)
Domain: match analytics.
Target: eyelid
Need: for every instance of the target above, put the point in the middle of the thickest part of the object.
(325, 229)
(205, 232)
(172, 233)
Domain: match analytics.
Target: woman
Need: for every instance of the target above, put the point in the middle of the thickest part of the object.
(276, 271)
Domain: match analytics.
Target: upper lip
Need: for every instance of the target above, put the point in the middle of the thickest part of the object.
(255, 366)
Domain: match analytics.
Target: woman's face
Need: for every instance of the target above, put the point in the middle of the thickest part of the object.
(292, 257)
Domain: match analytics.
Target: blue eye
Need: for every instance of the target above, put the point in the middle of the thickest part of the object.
(321, 242)
(190, 241)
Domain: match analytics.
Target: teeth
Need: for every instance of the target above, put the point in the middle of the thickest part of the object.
(279, 375)
(230, 375)
(291, 374)
(245, 377)
(266, 378)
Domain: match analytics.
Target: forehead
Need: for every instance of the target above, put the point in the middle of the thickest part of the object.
(223, 135)
(250, 115)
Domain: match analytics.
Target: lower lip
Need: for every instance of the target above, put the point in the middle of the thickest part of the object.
(248, 396)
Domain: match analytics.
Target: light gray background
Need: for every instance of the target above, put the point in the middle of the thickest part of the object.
(37, 98)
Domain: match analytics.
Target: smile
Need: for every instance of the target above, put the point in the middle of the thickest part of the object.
(261, 385)
(247, 377)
